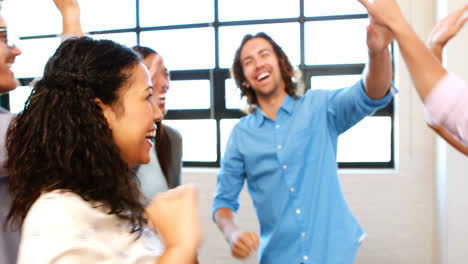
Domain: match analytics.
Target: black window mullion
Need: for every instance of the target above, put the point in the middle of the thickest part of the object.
(188, 114)
(137, 2)
(217, 76)
(5, 101)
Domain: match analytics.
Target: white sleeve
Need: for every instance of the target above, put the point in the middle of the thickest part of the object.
(63, 228)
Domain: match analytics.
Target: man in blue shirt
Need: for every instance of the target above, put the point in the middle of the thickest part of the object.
(286, 150)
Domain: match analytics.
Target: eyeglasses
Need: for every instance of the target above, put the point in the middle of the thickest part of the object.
(5, 37)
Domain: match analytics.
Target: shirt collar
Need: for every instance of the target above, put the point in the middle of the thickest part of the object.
(287, 106)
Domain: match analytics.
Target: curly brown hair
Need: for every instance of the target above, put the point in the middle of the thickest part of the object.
(287, 70)
(61, 140)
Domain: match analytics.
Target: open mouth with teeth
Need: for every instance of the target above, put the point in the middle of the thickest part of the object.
(151, 135)
(263, 76)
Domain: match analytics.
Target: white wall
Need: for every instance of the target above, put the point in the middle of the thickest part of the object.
(456, 251)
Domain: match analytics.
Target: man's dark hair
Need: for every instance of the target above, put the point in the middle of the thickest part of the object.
(287, 70)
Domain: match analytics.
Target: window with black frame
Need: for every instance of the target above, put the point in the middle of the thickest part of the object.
(326, 40)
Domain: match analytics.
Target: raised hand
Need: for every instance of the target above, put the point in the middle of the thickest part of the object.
(445, 30)
(175, 215)
(378, 37)
(67, 6)
(384, 12)
(70, 11)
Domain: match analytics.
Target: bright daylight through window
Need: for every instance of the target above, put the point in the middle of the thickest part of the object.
(326, 40)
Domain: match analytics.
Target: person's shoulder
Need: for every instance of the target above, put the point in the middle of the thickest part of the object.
(316, 93)
(172, 132)
(246, 121)
(63, 205)
(313, 98)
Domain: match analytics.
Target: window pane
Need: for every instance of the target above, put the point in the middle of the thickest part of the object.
(336, 42)
(34, 56)
(175, 12)
(226, 126)
(18, 97)
(37, 17)
(237, 10)
(367, 141)
(286, 35)
(199, 138)
(332, 7)
(43, 18)
(127, 39)
(193, 94)
(232, 96)
(107, 14)
(332, 82)
(183, 49)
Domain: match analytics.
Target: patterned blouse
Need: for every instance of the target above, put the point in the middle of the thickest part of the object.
(61, 227)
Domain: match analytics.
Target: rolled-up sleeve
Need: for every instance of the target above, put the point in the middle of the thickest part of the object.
(231, 177)
(446, 106)
(349, 105)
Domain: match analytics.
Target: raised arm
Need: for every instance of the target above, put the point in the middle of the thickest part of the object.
(176, 217)
(378, 72)
(425, 70)
(441, 34)
(443, 133)
(71, 23)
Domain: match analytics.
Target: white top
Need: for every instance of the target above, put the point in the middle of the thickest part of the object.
(61, 227)
(151, 176)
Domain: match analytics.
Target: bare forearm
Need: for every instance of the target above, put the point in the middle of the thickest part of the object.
(378, 74)
(224, 218)
(424, 68)
(71, 22)
(450, 139)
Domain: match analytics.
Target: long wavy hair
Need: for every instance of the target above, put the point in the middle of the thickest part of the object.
(163, 145)
(61, 139)
(293, 87)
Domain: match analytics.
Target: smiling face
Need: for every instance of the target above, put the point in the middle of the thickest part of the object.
(132, 118)
(7, 58)
(159, 78)
(260, 66)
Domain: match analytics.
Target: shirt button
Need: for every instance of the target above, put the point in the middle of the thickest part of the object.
(285, 167)
(292, 189)
(306, 257)
(277, 126)
(280, 147)
(303, 234)
(298, 211)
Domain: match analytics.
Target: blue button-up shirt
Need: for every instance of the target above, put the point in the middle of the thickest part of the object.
(291, 172)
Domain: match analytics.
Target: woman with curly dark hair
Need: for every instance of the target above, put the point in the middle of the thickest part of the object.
(88, 121)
